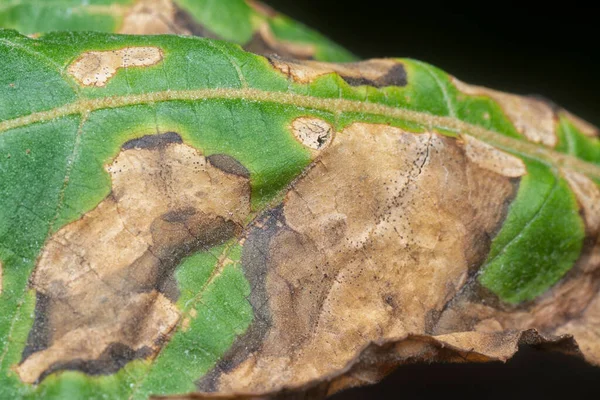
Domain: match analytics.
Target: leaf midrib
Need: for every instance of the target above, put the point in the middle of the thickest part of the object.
(336, 106)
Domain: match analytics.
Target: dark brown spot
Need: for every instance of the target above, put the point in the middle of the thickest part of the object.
(115, 357)
(395, 76)
(228, 164)
(153, 141)
(255, 260)
(40, 335)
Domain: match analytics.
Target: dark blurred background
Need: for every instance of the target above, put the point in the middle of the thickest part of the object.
(551, 50)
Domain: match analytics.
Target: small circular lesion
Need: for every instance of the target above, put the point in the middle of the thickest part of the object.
(313, 133)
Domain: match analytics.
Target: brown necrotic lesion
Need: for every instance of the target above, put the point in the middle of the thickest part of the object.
(96, 68)
(104, 283)
(156, 17)
(363, 249)
(378, 73)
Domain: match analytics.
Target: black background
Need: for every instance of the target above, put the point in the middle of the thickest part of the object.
(551, 50)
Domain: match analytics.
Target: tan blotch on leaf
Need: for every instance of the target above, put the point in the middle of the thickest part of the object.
(492, 159)
(375, 72)
(531, 117)
(95, 68)
(570, 308)
(313, 133)
(373, 242)
(588, 196)
(153, 17)
(150, 17)
(108, 277)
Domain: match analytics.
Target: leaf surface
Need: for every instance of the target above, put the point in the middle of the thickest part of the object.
(179, 215)
(250, 23)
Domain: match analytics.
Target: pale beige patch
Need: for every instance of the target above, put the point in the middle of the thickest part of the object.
(562, 303)
(533, 118)
(96, 68)
(496, 346)
(151, 17)
(583, 126)
(157, 17)
(185, 325)
(108, 276)
(307, 71)
(585, 330)
(379, 235)
(492, 159)
(313, 133)
(588, 196)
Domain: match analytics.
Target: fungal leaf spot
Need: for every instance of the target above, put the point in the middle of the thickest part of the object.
(105, 285)
(492, 159)
(314, 133)
(376, 72)
(533, 118)
(96, 68)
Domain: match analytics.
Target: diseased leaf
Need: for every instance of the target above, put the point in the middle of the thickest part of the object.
(247, 22)
(182, 217)
(514, 269)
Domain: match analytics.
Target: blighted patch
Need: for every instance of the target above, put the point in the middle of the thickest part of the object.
(492, 159)
(533, 118)
(376, 72)
(96, 68)
(372, 258)
(105, 283)
(588, 196)
(383, 243)
(154, 17)
(150, 17)
(313, 133)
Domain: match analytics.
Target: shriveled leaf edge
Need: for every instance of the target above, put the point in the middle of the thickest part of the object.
(381, 358)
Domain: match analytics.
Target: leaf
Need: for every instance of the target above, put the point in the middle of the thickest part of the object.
(179, 215)
(250, 23)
